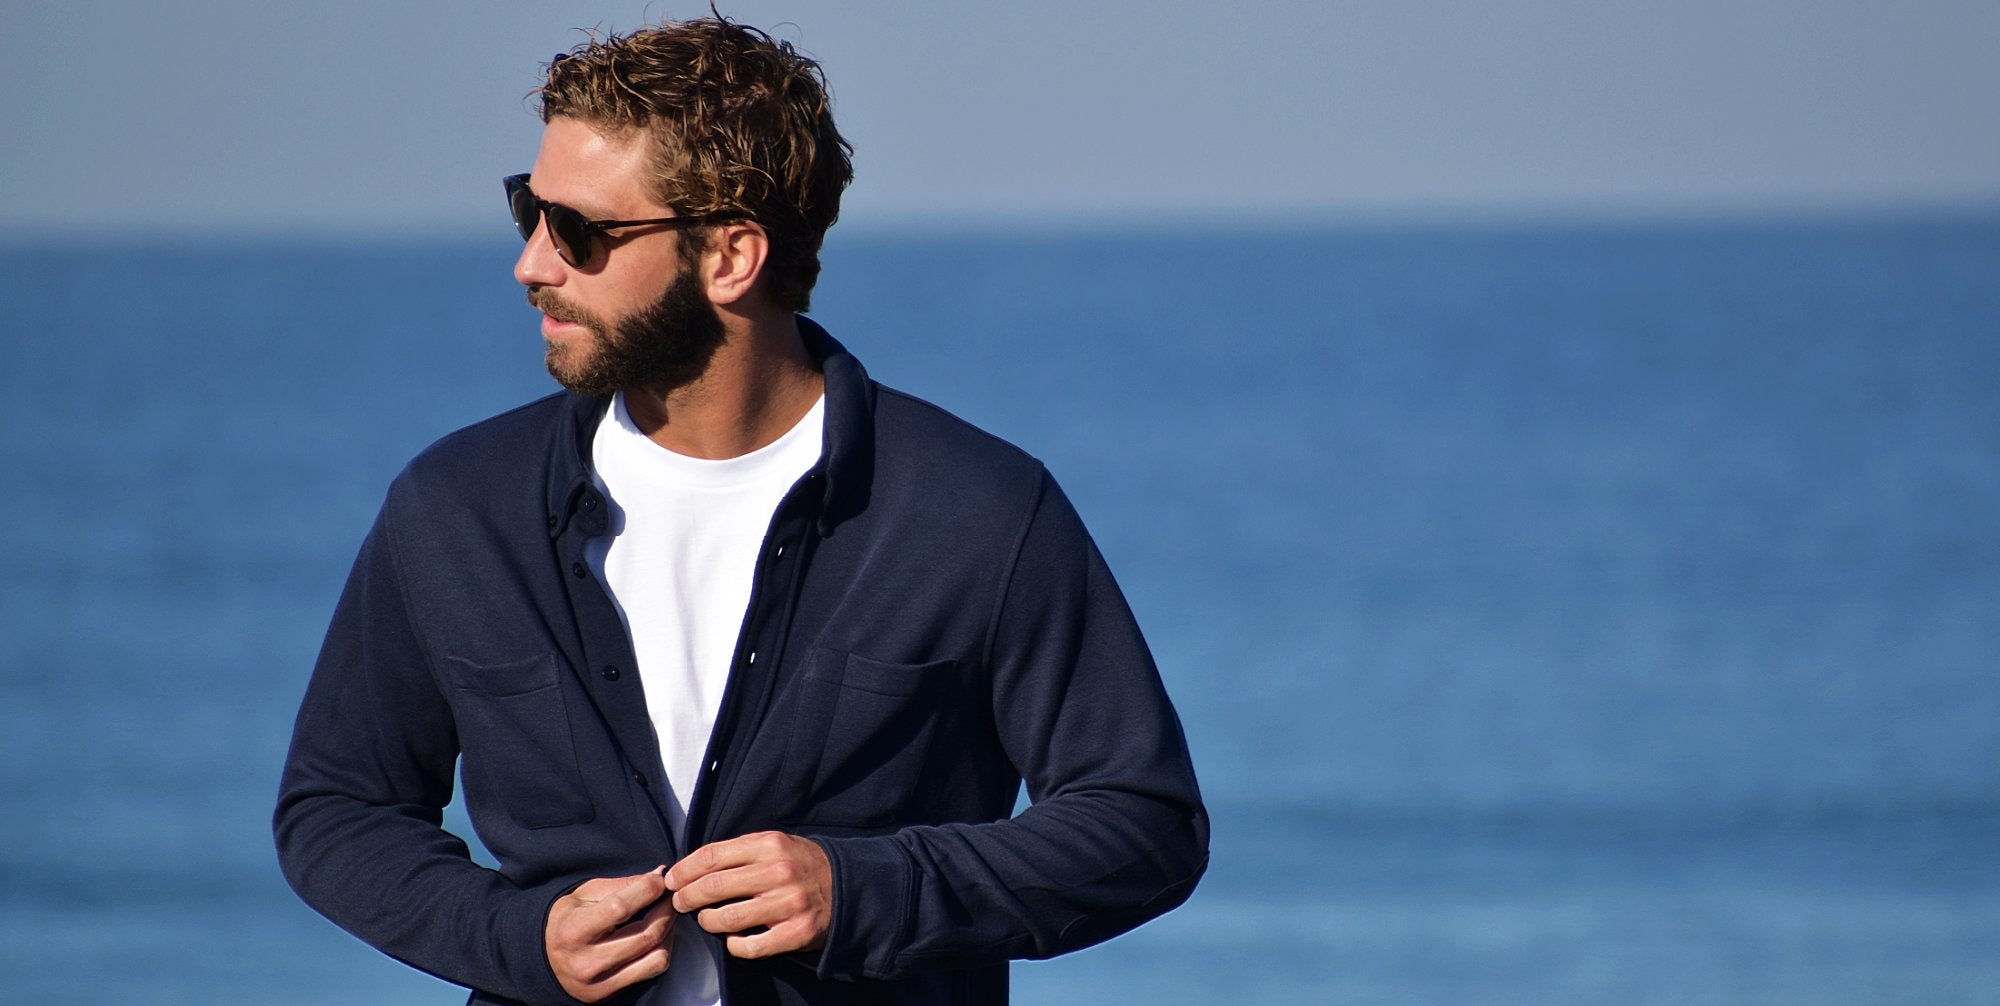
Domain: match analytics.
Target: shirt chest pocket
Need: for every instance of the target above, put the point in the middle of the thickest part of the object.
(519, 756)
(864, 732)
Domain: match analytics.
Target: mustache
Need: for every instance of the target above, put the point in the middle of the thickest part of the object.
(545, 300)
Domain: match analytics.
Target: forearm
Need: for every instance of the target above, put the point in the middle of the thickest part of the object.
(1066, 873)
(402, 884)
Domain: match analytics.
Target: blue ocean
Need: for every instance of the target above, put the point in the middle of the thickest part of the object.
(1599, 613)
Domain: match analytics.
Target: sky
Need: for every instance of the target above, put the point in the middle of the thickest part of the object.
(391, 119)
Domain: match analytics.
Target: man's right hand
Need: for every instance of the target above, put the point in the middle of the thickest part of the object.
(596, 945)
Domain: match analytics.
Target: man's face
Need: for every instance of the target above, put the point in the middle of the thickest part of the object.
(617, 323)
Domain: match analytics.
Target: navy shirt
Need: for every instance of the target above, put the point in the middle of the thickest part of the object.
(930, 625)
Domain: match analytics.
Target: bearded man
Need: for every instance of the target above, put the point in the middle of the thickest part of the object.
(742, 657)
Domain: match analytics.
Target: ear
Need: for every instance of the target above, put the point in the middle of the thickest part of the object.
(734, 260)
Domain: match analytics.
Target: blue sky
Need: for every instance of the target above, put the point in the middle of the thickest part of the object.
(380, 118)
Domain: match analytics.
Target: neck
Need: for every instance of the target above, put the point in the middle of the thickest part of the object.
(758, 385)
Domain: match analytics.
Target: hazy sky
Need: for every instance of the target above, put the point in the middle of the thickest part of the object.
(397, 118)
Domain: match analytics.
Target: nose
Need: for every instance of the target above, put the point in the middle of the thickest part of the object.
(539, 264)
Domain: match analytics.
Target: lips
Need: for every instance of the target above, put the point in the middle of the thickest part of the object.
(554, 314)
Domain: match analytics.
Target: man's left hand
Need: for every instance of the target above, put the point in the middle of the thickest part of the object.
(782, 883)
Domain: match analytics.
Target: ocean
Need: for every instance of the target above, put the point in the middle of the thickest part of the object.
(1596, 613)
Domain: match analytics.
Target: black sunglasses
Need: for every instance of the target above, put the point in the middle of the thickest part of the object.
(572, 231)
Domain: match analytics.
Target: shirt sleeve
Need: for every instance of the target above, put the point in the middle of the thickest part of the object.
(1116, 833)
(360, 804)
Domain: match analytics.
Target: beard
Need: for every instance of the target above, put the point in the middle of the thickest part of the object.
(665, 345)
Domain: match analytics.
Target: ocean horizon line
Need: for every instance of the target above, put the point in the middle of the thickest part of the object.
(19, 235)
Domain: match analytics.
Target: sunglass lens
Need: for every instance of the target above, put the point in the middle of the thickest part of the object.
(526, 214)
(568, 230)
(571, 236)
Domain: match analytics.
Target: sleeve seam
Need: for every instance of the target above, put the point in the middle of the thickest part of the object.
(392, 544)
(1005, 584)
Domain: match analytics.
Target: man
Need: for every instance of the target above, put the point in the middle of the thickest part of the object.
(742, 657)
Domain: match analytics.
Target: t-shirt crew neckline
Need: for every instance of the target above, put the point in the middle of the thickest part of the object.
(720, 473)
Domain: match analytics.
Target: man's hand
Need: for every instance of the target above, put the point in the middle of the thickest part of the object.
(595, 944)
(781, 883)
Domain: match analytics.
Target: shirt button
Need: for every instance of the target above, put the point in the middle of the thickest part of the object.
(589, 503)
(712, 766)
(781, 552)
(610, 672)
(553, 521)
(753, 656)
(579, 569)
(640, 778)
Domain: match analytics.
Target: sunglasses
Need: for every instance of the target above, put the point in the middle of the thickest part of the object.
(572, 231)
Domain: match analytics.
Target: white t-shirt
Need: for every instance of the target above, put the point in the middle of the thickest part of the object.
(679, 559)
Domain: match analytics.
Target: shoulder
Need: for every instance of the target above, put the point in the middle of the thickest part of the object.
(511, 450)
(912, 430)
(944, 479)
(899, 458)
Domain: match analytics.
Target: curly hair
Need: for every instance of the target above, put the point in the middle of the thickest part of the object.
(737, 121)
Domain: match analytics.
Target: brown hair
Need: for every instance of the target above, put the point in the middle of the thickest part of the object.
(737, 120)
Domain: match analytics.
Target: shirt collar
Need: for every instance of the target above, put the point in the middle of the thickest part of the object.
(847, 455)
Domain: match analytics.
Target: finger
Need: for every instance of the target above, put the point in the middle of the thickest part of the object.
(721, 886)
(728, 854)
(737, 868)
(600, 906)
(651, 964)
(770, 905)
(643, 937)
(654, 923)
(628, 899)
(783, 938)
(733, 917)
(723, 855)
